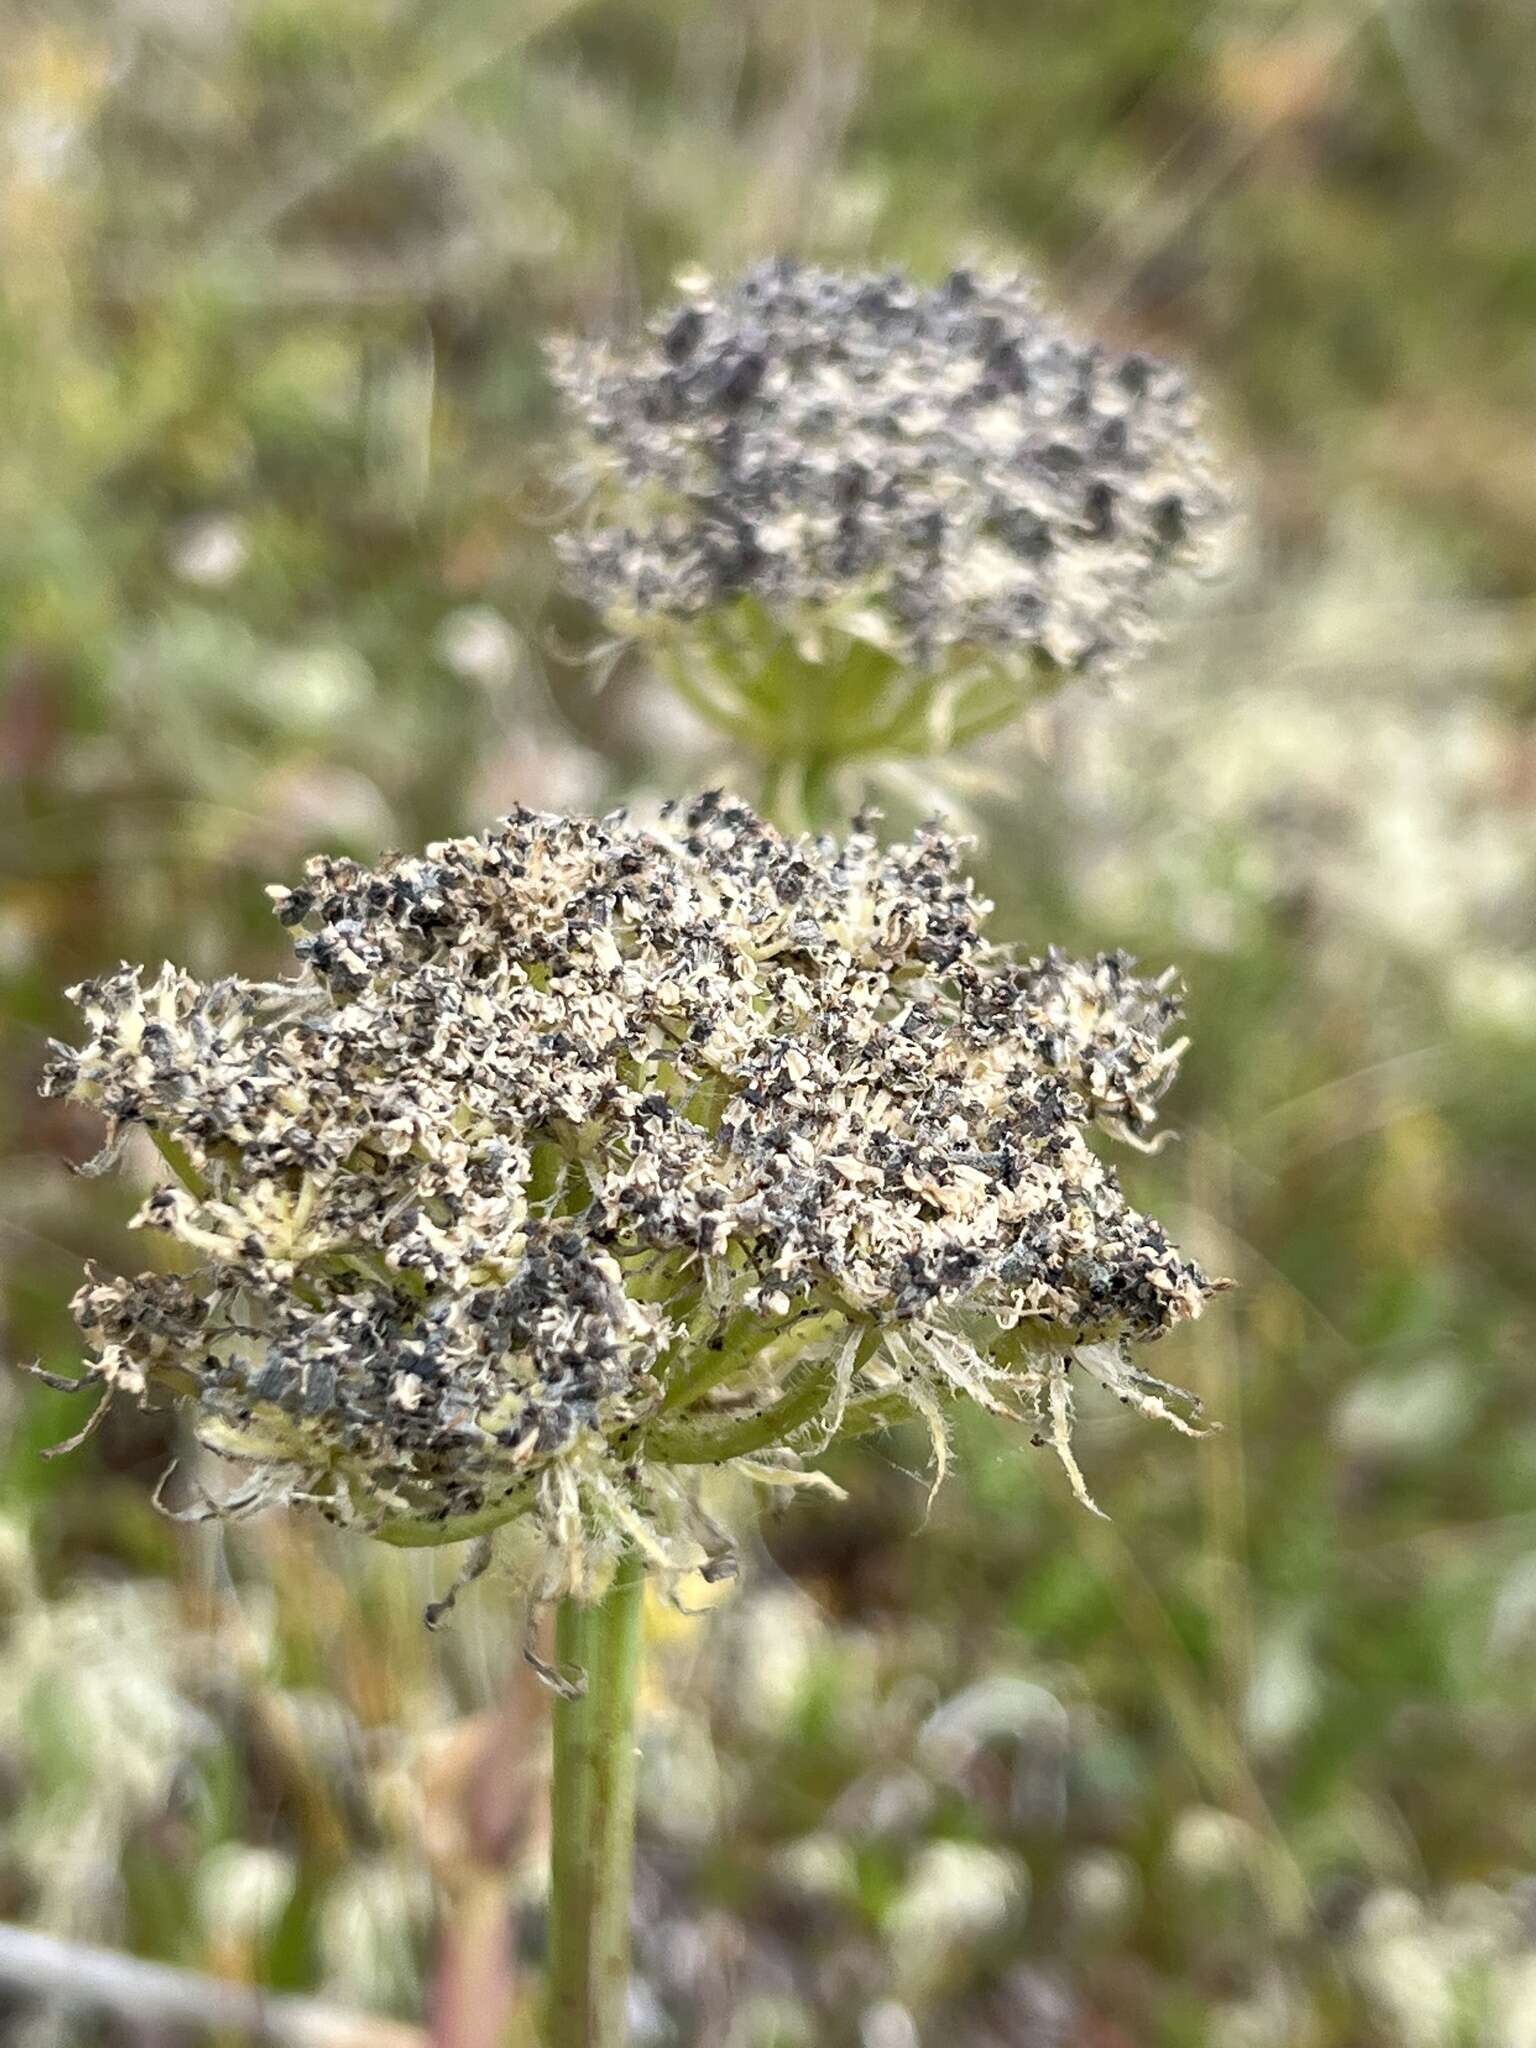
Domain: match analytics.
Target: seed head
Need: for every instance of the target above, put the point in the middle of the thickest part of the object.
(942, 471)
(579, 1157)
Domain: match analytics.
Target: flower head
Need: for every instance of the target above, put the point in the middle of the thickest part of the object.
(942, 472)
(580, 1156)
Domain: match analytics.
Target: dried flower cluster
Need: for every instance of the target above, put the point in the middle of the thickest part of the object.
(939, 471)
(577, 1157)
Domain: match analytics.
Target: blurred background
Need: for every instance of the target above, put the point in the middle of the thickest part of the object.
(1253, 1765)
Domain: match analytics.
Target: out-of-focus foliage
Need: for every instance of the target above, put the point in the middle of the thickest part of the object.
(1252, 1765)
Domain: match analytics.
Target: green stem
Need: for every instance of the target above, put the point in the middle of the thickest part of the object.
(593, 1815)
(782, 798)
(176, 1159)
(712, 1364)
(688, 1442)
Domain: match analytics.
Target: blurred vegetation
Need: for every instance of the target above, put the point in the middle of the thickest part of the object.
(1255, 1763)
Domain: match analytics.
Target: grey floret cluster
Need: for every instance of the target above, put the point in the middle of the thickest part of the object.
(948, 469)
(583, 1156)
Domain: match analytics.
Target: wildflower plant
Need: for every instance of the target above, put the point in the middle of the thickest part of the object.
(853, 519)
(583, 1161)
(579, 1160)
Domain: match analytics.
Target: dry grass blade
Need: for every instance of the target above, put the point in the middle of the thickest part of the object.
(81, 1978)
(399, 114)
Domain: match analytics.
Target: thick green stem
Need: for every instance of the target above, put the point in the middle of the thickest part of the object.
(593, 1815)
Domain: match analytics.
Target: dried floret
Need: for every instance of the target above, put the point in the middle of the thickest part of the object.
(881, 479)
(581, 1156)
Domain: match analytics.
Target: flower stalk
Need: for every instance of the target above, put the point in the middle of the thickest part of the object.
(583, 1159)
(593, 1813)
